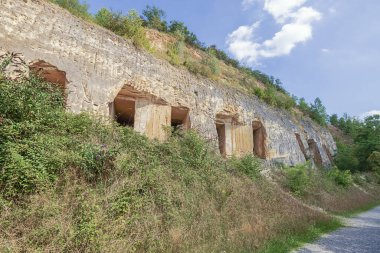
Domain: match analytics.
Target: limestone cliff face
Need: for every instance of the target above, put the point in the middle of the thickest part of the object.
(98, 64)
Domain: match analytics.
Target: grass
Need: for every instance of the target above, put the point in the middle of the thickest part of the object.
(292, 241)
(357, 211)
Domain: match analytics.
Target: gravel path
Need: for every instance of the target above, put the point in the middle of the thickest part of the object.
(362, 235)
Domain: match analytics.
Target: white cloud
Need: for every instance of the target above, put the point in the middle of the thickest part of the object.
(325, 50)
(241, 43)
(296, 28)
(285, 40)
(370, 113)
(280, 9)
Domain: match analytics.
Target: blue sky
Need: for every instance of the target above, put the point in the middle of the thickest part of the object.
(318, 48)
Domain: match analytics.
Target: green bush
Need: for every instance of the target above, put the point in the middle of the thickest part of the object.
(270, 96)
(29, 160)
(297, 179)
(198, 68)
(212, 62)
(343, 178)
(96, 160)
(75, 7)
(285, 101)
(135, 30)
(248, 165)
(176, 52)
(208, 67)
(40, 140)
(113, 21)
(258, 92)
(130, 26)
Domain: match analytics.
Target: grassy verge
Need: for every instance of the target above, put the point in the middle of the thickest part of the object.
(359, 210)
(292, 241)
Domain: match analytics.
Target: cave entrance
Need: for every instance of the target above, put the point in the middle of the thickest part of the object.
(124, 109)
(50, 73)
(221, 130)
(259, 139)
(223, 123)
(180, 119)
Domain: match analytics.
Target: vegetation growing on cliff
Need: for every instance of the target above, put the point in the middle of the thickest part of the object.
(181, 47)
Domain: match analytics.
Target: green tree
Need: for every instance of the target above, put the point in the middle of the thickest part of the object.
(367, 140)
(334, 120)
(154, 18)
(318, 112)
(304, 107)
(177, 27)
(345, 158)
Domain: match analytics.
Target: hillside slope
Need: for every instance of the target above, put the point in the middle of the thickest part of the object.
(71, 183)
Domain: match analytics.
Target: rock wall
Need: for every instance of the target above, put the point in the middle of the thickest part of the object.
(98, 64)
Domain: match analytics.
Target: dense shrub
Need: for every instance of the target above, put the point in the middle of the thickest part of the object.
(248, 165)
(40, 140)
(270, 96)
(113, 21)
(343, 178)
(345, 158)
(305, 181)
(96, 160)
(221, 55)
(212, 63)
(176, 52)
(130, 26)
(297, 178)
(135, 30)
(198, 68)
(75, 7)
